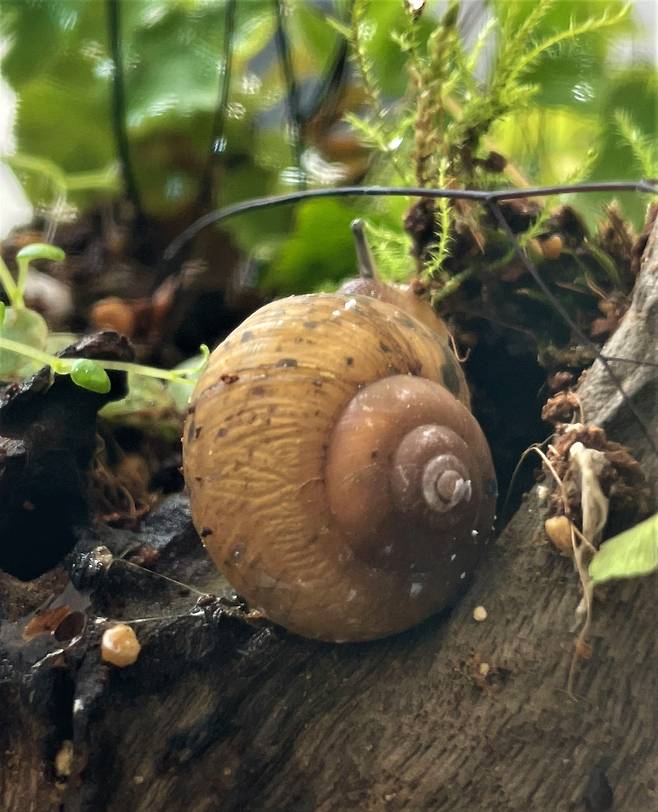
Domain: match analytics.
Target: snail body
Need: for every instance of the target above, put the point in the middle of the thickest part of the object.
(336, 475)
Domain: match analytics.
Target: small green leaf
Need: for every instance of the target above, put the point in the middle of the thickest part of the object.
(26, 327)
(39, 250)
(2, 314)
(628, 555)
(90, 375)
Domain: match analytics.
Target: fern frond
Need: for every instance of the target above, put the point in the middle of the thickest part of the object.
(364, 63)
(438, 256)
(374, 133)
(392, 252)
(573, 32)
(511, 37)
(472, 60)
(580, 174)
(643, 148)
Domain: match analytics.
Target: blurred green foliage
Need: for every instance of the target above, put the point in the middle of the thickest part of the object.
(58, 62)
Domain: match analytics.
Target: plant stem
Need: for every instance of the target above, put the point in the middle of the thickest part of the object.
(21, 280)
(58, 365)
(206, 187)
(7, 282)
(119, 105)
(147, 372)
(295, 118)
(451, 286)
(63, 366)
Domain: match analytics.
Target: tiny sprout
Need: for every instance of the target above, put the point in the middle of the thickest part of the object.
(39, 250)
(90, 375)
(15, 289)
(192, 373)
(30, 252)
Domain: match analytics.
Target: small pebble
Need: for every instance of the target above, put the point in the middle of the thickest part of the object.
(120, 646)
(64, 758)
(479, 613)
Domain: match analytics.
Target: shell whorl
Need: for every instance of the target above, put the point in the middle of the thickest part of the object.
(408, 474)
(430, 471)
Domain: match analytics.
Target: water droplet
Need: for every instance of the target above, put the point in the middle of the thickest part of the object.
(235, 110)
(582, 92)
(292, 176)
(69, 20)
(174, 187)
(104, 69)
(219, 145)
(251, 84)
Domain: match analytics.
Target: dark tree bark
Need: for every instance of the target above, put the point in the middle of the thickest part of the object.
(225, 714)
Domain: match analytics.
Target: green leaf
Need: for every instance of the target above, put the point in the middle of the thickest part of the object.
(90, 375)
(320, 248)
(27, 327)
(628, 555)
(38, 250)
(2, 314)
(181, 390)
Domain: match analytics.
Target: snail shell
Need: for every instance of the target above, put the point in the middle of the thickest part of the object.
(336, 475)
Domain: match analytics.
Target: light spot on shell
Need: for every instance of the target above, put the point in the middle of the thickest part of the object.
(453, 556)
(388, 549)
(463, 575)
(350, 304)
(415, 590)
(351, 595)
(474, 533)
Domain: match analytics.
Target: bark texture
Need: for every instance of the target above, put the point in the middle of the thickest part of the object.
(219, 714)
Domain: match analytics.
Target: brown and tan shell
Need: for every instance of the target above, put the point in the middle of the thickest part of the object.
(279, 490)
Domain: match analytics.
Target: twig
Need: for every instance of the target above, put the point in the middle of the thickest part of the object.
(394, 191)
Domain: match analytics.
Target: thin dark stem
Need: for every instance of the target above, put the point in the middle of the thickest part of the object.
(331, 85)
(393, 191)
(585, 339)
(119, 105)
(295, 119)
(206, 187)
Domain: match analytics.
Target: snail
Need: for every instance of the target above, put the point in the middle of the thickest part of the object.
(336, 474)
